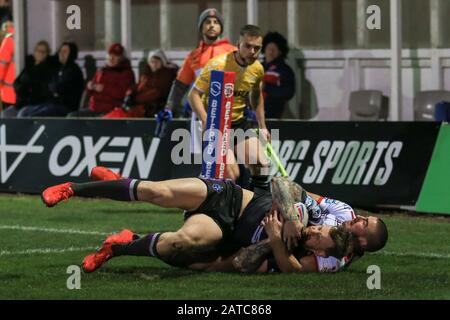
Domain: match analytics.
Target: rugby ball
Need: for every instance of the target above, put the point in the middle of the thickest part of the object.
(302, 212)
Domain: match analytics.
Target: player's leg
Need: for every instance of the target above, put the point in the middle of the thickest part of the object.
(232, 166)
(187, 194)
(194, 241)
(252, 151)
(198, 237)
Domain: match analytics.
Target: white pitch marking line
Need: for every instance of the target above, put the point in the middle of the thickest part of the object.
(75, 231)
(416, 254)
(44, 251)
(67, 231)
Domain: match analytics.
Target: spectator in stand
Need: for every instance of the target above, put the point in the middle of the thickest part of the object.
(279, 79)
(7, 66)
(108, 88)
(31, 85)
(5, 11)
(65, 87)
(150, 94)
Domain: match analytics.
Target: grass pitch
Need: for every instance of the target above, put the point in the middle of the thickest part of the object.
(38, 244)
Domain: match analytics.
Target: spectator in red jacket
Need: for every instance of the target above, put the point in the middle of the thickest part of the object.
(109, 86)
(150, 94)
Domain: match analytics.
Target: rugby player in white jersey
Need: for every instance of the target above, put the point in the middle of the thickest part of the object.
(371, 234)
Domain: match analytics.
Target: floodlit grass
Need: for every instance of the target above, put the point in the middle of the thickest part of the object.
(36, 251)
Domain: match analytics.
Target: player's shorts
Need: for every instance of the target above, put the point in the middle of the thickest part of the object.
(223, 204)
(245, 125)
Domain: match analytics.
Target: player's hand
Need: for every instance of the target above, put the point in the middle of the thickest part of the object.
(162, 118)
(292, 233)
(203, 126)
(273, 225)
(265, 134)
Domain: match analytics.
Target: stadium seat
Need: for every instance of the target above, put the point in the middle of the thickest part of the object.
(442, 111)
(368, 105)
(425, 103)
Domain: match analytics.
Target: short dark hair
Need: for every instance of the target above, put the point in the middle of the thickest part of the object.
(279, 40)
(377, 240)
(344, 242)
(251, 31)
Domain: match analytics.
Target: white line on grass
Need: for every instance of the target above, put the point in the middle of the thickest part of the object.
(416, 254)
(67, 231)
(97, 233)
(44, 251)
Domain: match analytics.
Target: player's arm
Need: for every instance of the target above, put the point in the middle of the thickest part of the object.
(253, 259)
(180, 86)
(195, 100)
(176, 94)
(259, 111)
(284, 194)
(286, 262)
(260, 117)
(201, 87)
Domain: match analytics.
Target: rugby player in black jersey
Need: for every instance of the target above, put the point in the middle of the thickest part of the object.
(218, 215)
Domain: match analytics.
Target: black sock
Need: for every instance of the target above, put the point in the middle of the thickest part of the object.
(261, 182)
(244, 177)
(122, 190)
(145, 246)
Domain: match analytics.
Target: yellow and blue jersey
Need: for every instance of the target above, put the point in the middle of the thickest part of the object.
(247, 79)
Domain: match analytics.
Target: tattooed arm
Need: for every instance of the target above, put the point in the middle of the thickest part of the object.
(285, 193)
(253, 259)
(250, 259)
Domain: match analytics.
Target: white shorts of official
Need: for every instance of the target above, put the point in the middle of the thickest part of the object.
(196, 135)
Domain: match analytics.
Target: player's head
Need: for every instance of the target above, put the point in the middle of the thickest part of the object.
(371, 232)
(210, 25)
(249, 44)
(116, 54)
(327, 241)
(274, 46)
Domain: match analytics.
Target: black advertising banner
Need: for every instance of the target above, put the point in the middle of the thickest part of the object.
(37, 153)
(370, 163)
(362, 163)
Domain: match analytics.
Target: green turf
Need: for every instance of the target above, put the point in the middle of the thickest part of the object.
(414, 265)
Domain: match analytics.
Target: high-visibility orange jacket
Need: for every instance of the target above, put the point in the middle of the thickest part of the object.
(197, 58)
(7, 69)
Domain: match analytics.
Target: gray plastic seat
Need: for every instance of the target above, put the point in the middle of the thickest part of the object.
(425, 102)
(367, 105)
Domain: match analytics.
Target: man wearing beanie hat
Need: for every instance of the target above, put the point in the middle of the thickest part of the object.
(210, 13)
(210, 26)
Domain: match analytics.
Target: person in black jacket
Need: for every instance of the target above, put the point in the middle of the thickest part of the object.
(31, 86)
(65, 87)
(279, 79)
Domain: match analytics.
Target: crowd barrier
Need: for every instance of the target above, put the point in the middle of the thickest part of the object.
(363, 163)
